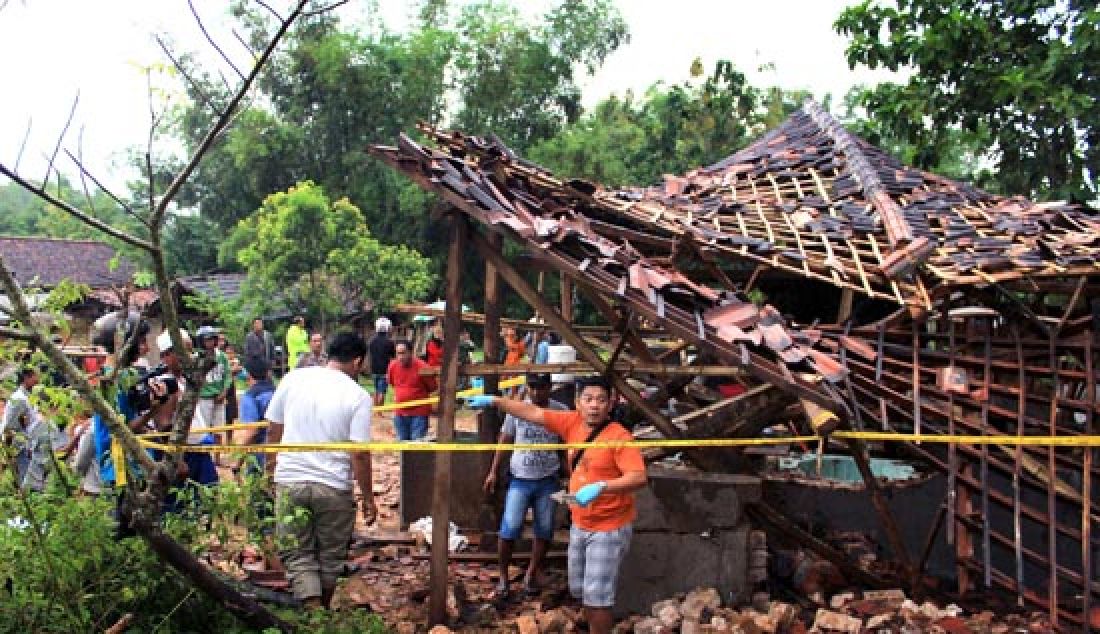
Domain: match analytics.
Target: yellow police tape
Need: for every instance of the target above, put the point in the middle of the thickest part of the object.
(663, 443)
(381, 408)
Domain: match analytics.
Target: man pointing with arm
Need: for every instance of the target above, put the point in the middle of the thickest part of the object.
(602, 483)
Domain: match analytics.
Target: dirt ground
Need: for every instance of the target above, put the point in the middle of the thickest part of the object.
(389, 573)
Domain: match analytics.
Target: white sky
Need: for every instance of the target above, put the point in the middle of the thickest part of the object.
(51, 49)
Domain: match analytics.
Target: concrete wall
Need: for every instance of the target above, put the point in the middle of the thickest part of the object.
(469, 506)
(691, 531)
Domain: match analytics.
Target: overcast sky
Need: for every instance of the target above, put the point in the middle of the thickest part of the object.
(53, 49)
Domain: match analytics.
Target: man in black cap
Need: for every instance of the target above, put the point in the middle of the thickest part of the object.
(534, 478)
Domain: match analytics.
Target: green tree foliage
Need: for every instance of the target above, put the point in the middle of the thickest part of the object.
(673, 129)
(1023, 71)
(333, 91)
(315, 255)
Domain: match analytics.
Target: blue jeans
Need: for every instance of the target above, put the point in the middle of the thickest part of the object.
(410, 427)
(380, 385)
(522, 495)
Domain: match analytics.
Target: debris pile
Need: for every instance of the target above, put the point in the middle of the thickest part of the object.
(886, 611)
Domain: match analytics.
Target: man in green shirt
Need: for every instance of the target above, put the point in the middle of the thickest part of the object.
(297, 342)
(219, 380)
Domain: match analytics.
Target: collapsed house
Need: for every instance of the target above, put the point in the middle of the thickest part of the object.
(897, 301)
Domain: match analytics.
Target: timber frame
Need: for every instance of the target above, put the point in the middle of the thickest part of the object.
(960, 312)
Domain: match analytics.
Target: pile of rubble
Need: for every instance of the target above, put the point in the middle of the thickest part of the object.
(875, 611)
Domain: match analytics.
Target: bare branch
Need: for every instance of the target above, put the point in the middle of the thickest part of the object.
(13, 333)
(61, 137)
(209, 103)
(121, 203)
(75, 377)
(225, 118)
(246, 45)
(310, 14)
(209, 39)
(23, 145)
(273, 11)
(83, 176)
(74, 212)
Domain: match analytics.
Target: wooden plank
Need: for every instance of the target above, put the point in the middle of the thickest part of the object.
(441, 490)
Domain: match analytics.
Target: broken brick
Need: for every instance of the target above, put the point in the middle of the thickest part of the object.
(830, 621)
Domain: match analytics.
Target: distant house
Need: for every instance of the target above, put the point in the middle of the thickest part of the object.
(40, 264)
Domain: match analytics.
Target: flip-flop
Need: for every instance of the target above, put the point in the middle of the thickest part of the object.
(500, 593)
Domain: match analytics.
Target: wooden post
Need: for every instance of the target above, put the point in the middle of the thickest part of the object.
(441, 494)
(584, 351)
(845, 310)
(489, 420)
(566, 298)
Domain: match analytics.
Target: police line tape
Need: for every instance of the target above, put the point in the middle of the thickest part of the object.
(663, 443)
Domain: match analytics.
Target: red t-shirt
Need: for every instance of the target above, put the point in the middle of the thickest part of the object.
(434, 352)
(611, 510)
(408, 385)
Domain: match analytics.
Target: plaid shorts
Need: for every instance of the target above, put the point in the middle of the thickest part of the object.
(594, 559)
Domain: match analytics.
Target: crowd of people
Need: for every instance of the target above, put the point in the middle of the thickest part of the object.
(321, 400)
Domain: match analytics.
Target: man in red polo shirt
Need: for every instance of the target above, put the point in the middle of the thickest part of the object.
(602, 484)
(410, 423)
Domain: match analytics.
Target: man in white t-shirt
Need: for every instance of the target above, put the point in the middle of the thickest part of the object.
(318, 405)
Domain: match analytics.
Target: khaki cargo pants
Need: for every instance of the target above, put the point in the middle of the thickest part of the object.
(313, 548)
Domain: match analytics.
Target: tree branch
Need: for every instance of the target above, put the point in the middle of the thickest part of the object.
(202, 27)
(224, 118)
(61, 138)
(13, 333)
(182, 71)
(74, 212)
(23, 145)
(84, 172)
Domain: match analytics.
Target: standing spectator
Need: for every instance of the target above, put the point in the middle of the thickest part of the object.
(83, 458)
(410, 423)
(200, 465)
(433, 350)
(231, 408)
(542, 348)
(297, 342)
(602, 484)
(515, 349)
(316, 355)
(259, 344)
(534, 478)
(20, 416)
(318, 405)
(254, 403)
(210, 411)
(381, 352)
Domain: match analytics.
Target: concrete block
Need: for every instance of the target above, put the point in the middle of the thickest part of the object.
(691, 502)
(659, 565)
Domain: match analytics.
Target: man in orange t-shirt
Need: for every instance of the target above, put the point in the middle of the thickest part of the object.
(602, 483)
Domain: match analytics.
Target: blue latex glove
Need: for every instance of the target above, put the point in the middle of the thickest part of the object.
(589, 492)
(480, 401)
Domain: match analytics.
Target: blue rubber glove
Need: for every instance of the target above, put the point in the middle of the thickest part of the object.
(589, 492)
(480, 401)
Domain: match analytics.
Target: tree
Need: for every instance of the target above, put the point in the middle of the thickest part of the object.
(671, 130)
(1025, 71)
(335, 90)
(317, 256)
